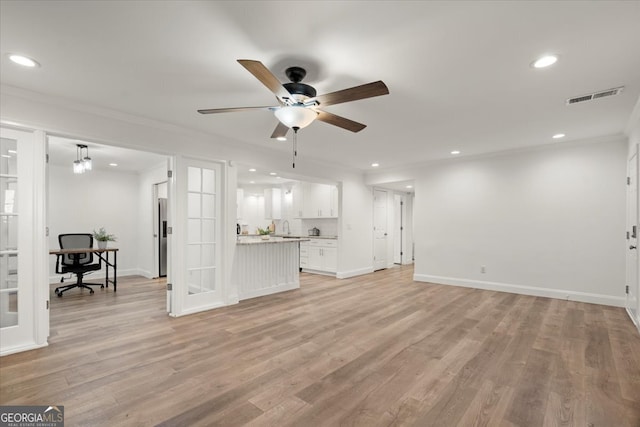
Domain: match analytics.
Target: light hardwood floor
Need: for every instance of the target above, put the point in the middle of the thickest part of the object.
(374, 350)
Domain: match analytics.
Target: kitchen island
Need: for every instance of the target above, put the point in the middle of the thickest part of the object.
(264, 267)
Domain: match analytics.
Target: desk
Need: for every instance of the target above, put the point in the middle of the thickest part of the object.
(103, 254)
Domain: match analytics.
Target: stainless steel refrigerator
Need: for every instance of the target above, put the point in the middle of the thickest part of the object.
(162, 235)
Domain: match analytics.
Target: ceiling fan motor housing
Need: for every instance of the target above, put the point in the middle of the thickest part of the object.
(300, 89)
(296, 74)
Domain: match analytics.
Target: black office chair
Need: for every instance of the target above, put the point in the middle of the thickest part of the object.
(78, 264)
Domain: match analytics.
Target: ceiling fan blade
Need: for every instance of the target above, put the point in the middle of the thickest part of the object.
(339, 121)
(267, 78)
(355, 93)
(280, 130)
(231, 110)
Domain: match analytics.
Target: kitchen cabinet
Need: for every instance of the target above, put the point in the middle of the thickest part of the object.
(315, 201)
(239, 203)
(273, 203)
(333, 205)
(297, 198)
(319, 255)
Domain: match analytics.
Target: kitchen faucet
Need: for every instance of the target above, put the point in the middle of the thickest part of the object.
(288, 229)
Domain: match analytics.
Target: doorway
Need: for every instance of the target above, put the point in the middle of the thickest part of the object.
(160, 224)
(118, 194)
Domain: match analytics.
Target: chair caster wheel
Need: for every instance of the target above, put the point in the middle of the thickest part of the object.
(60, 295)
(91, 291)
(101, 286)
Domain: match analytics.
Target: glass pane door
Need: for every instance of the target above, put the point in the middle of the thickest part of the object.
(201, 230)
(196, 239)
(8, 233)
(23, 287)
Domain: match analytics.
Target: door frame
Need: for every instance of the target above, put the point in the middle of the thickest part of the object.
(633, 268)
(156, 225)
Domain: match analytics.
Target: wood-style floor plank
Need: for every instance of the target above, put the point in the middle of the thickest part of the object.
(374, 350)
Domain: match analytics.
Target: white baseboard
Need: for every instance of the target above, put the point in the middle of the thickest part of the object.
(324, 273)
(100, 275)
(634, 319)
(524, 290)
(353, 273)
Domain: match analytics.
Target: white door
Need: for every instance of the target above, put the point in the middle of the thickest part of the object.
(632, 240)
(24, 320)
(398, 229)
(196, 237)
(380, 229)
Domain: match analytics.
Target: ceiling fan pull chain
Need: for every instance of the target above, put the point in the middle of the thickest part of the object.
(295, 145)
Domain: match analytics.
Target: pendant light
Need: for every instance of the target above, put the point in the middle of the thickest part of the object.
(82, 163)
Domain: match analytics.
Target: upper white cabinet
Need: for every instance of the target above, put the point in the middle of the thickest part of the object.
(334, 201)
(273, 203)
(315, 200)
(239, 203)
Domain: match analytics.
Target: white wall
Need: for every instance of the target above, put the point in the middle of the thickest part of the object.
(544, 222)
(355, 227)
(86, 202)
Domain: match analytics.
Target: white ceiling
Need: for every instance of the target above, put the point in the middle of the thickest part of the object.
(458, 72)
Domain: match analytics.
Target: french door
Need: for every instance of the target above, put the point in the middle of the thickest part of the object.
(196, 236)
(24, 320)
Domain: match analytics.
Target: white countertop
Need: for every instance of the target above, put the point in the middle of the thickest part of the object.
(272, 239)
(308, 237)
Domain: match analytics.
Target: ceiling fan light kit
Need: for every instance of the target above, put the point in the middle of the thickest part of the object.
(296, 116)
(298, 103)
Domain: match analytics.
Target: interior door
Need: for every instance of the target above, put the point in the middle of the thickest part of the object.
(24, 319)
(380, 201)
(197, 236)
(398, 228)
(632, 240)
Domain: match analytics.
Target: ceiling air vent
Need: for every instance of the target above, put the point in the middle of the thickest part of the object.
(595, 95)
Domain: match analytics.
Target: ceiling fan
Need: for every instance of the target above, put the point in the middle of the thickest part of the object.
(298, 105)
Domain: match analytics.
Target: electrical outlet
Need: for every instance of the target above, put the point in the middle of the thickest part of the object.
(483, 269)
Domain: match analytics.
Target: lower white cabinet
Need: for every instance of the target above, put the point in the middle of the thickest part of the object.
(319, 255)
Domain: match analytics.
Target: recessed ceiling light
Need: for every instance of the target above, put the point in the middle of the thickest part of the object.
(544, 61)
(454, 152)
(252, 170)
(6, 156)
(375, 165)
(12, 152)
(277, 177)
(409, 186)
(252, 182)
(558, 136)
(113, 164)
(273, 173)
(23, 60)
(281, 138)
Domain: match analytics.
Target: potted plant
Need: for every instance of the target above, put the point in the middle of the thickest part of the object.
(264, 233)
(102, 237)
